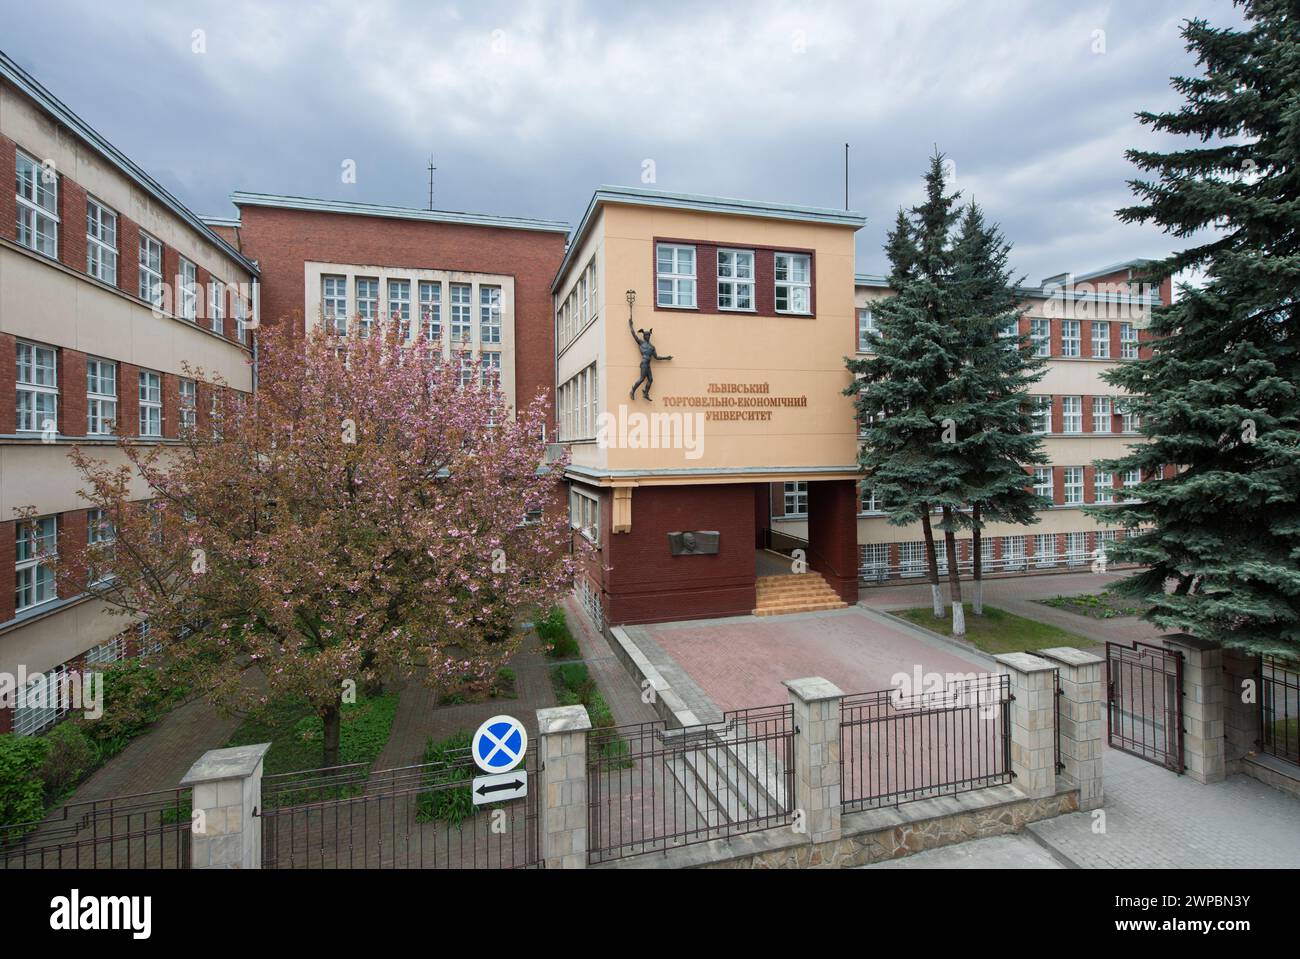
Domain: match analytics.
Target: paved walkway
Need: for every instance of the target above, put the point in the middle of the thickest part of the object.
(995, 852)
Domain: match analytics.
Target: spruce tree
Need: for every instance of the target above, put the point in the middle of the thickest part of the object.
(1219, 395)
(899, 390)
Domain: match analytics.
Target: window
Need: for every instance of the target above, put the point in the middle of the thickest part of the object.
(38, 207)
(490, 375)
(334, 303)
(866, 327)
(1073, 492)
(870, 502)
(100, 536)
(1013, 552)
(1072, 414)
(735, 279)
(1103, 487)
(1130, 422)
(796, 499)
(1040, 334)
(1100, 339)
(674, 275)
(1043, 482)
(38, 389)
(1070, 338)
(1041, 411)
(241, 317)
(461, 303)
(468, 366)
(1076, 549)
(101, 396)
(593, 297)
(489, 314)
(367, 303)
(36, 539)
(873, 561)
(584, 514)
(793, 283)
(45, 700)
(399, 305)
(1101, 414)
(189, 291)
(1045, 549)
(216, 305)
(431, 310)
(107, 652)
(101, 242)
(1128, 341)
(189, 403)
(911, 559)
(1132, 478)
(151, 266)
(150, 404)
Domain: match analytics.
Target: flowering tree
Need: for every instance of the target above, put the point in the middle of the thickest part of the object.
(365, 512)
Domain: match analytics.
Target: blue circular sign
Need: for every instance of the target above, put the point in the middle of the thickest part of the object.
(500, 744)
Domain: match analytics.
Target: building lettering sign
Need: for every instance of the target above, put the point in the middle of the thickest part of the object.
(752, 402)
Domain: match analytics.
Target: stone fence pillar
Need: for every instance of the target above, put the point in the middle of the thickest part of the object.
(1203, 752)
(1082, 718)
(1033, 722)
(1241, 699)
(227, 784)
(562, 752)
(816, 704)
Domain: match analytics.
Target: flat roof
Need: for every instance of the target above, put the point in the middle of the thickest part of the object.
(241, 199)
(1050, 287)
(52, 105)
(636, 196)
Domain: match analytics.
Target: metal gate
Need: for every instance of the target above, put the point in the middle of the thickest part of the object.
(415, 817)
(1144, 702)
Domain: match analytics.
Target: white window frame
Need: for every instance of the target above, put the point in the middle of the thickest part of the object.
(912, 561)
(869, 502)
(334, 303)
(399, 305)
(738, 280)
(873, 561)
(1101, 339)
(796, 493)
(1071, 414)
(101, 396)
(1044, 558)
(584, 514)
(1128, 341)
(37, 192)
(188, 294)
(1040, 334)
(151, 270)
(241, 316)
(216, 305)
(31, 385)
(367, 288)
(1103, 487)
(490, 369)
(33, 578)
(101, 242)
(1102, 413)
(1071, 338)
(1044, 484)
(151, 403)
(788, 287)
(1072, 485)
(28, 720)
(461, 316)
(430, 292)
(675, 280)
(188, 405)
(1076, 549)
(1040, 410)
(866, 325)
(100, 537)
(1130, 422)
(1013, 552)
(489, 314)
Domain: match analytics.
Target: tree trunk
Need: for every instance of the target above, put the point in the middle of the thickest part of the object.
(932, 562)
(954, 575)
(331, 717)
(977, 563)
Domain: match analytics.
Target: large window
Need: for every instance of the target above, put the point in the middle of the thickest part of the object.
(1072, 414)
(1076, 548)
(1073, 485)
(151, 267)
(38, 207)
(1103, 487)
(870, 502)
(1043, 482)
(38, 388)
(150, 404)
(1045, 549)
(1130, 422)
(399, 306)
(334, 303)
(593, 294)
(674, 275)
(101, 242)
(584, 514)
(100, 536)
(793, 283)
(490, 369)
(189, 291)
(35, 580)
(1070, 337)
(1040, 334)
(1128, 341)
(1131, 480)
(873, 561)
(1100, 339)
(489, 314)
(367, 303)
(189, 402)
(579, 405)
(735, 279)
(796, 498)
(1013, 552)
(216, 305)
(431, 310)
(101, 396)
(1101, 414)
(241, 316)
(461, 305)
(911, 559)
(1041, 410)
(866, 327)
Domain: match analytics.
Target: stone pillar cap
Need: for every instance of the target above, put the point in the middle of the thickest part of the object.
(563, 719)
(813, 689)
(1189, 641)
(234, 762)
(1024, 662)
(1070, 655)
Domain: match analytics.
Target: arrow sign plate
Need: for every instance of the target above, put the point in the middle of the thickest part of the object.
(499, 788)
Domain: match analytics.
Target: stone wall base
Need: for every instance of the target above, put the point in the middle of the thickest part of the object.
(1273, 772)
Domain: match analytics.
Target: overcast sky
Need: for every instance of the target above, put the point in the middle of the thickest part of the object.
(529, 106)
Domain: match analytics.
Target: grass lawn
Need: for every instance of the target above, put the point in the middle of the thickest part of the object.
(296, 734)
(997, 631)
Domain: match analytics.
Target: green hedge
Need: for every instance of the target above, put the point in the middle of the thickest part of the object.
(22, 792)
(575, 687)
(554, 631)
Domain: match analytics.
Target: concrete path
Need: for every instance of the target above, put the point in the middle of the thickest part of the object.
(995, 852)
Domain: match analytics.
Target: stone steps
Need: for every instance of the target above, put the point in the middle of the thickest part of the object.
(795, 593)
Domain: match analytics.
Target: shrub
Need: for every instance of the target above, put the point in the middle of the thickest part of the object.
(451, 804)
(71, 753)
(135, 697)
(553, 629)
(22, 793)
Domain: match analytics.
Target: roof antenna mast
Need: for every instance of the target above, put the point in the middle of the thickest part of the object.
(431, 169)
(846, 176)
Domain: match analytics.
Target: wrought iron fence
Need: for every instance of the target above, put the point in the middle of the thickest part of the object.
(1279, 705)
(651, 788)
(421, 816)
(143, 831)
(896, 749)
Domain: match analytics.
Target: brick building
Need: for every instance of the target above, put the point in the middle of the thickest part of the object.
(108, 285)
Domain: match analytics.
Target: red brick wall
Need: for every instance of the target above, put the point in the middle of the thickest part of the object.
(128, 399)
(8, 556)
(128, 256)
(72, 393)
(72, 226)
(8, 201)
(8, 383)
(72, 529)
(833, 534)
(645, 583)
(171, 419)
(283, 240)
